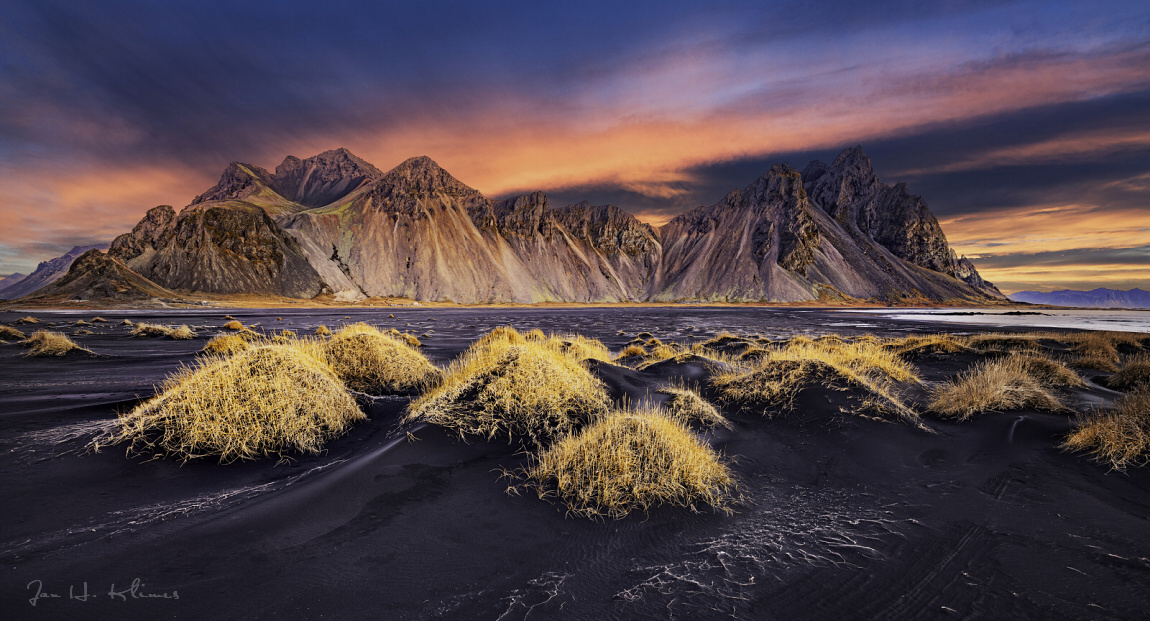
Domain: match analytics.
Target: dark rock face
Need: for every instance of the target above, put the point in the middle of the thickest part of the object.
(322, 179)
(964, 271)
(849, 192)
(97, 276)
(46, 273)
(335, 222)
(232, 247)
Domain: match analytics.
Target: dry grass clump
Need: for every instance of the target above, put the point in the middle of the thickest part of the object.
(632, 461)
(410, 339)
(322, 330)
(686, 405)
(506, 385)
(99, 320)
(376, 362)
(1009, 383)
(932, 344)
(791, 366)
(45, 343)
(28, 319)
(632, 351)
(234, 325)
(1135, 375)
(9, 333)
(1118, 435)
(230, 344)
(81, 322)
(266, 400)
(577, 347)
(126, 322)
(153, 329)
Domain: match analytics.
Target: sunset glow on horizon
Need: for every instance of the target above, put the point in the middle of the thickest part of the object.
(1024, 125)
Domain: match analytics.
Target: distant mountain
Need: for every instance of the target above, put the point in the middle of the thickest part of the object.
(11, 280)
(335, 223)
(97, 276)
(46, 273)
(1097, 298)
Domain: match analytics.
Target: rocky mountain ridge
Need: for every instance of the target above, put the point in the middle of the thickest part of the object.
(334, 223)
(46, 273)
(1096, 298)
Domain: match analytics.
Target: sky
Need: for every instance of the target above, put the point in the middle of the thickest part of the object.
(1024, 125)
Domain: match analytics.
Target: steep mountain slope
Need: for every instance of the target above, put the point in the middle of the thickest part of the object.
(11, 280)
(97, 276)
(217, 247)
(419, 232)
(770, 242)
(872, 212)
(47, 272)
(335, 223)
(1096, 298)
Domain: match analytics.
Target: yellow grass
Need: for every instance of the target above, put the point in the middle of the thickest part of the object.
(505, 385)
(1011, 383)
(229, 344)
(45, 343)
(28, 319)
(153, 329)
(800, 362)
(10, 333)
(99, 320)
(1135, 375)
(934, 343)
(632, 461)
(234, 325)
(322, 330)
(267, 400)
(375, 362)
(632, 351)
(686, 405)
(1118, 435)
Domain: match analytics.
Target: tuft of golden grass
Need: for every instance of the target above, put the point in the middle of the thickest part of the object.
(632, 351)
(931, 344)
(376, 362)
(28, 319)
(1118, 435)
(229, 344)
(266, 400)
(126, 322)
(631, 461)
(99, 320)
(686, 405)
(10, 333)
(1134, 375)
(793, 365)
(82, 323)
(507, 386)
(46, 343)
(322, 330)
(154, 329)
(1008, 383)
(234, 325)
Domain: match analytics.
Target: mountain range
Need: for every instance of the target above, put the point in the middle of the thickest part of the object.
(336, 224)
(1097, 298)
(46, 273)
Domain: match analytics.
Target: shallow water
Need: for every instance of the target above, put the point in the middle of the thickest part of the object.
(1115, 320)
(846, 518)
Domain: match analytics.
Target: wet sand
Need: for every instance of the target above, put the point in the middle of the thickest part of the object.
(848, 517)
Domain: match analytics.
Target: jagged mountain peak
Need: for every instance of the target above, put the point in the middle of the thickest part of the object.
(323, 179)
(421, 176)
(238, 181)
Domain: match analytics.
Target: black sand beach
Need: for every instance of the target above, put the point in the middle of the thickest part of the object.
(846, 517)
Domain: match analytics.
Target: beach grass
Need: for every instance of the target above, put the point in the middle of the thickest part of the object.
(1118, 435)
(264, 401)
(631, 461)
